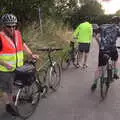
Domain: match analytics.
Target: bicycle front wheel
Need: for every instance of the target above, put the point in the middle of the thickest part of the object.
(27, 99)
(54, 76)
(41, 75)
(104, 86)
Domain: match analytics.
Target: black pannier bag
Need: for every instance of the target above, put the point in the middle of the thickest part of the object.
(25, 74)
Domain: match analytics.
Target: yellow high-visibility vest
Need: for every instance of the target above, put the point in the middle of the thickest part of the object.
(12, 52)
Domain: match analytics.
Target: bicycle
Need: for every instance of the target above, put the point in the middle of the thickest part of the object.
(29, 89)
(53, 69)
(107, 76)
(71, 56)
(105, 80)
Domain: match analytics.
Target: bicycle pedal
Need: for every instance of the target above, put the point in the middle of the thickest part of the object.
(44, 91)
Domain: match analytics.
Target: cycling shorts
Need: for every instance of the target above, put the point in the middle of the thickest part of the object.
(84, 47)
(102, 59)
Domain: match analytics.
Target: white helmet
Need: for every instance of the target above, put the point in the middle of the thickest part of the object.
(9, 20)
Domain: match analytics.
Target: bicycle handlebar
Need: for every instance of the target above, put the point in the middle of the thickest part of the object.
(31, 61)
(49, 49)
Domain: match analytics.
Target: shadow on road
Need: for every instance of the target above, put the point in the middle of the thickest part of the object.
(6, 116)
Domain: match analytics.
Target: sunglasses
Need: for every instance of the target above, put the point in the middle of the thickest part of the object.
(11, 26)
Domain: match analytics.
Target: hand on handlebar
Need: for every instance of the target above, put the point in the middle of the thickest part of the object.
(35, 56)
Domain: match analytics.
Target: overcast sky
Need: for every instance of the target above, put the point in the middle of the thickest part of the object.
(110, 6)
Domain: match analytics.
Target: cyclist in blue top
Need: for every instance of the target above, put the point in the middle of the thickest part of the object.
(106, 39)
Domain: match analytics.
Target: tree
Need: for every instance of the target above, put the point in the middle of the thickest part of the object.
(91, 8)
(118, 12)
(26, 9)
(64, 7)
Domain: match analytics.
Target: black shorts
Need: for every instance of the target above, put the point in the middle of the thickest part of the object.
(102, 60)
(84, 47)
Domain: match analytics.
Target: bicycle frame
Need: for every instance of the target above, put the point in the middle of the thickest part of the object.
(106, 77)
(52, 67)
(70, 56)
(50, 59)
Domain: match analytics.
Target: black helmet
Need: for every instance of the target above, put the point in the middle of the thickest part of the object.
(87, 18)
(9, 19)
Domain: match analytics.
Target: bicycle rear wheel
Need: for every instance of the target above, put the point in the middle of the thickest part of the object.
(54, 76)
(41, 75)
(27, 99)
(75, 59)
(65, 62)
(105, 84)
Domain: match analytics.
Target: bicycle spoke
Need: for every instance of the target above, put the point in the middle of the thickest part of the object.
(65, 61)
(42, 74)
(76, 59)
(104, 85)
(28, 100)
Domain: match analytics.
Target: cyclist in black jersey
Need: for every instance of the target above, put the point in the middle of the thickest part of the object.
(106, 39)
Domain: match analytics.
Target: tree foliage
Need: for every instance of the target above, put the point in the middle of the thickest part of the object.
(91, 8)
(25, 9)
(118, 12)
(66, 10)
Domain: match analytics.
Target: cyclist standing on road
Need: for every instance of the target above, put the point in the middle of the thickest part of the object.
(84, 34)
(11, 56)
(106, 39)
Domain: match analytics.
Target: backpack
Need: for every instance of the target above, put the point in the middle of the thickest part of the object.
(25, 74)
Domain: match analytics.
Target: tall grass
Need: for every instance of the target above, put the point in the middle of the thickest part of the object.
(53, 35)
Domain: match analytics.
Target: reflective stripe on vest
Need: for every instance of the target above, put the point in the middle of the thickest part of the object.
(9, 53)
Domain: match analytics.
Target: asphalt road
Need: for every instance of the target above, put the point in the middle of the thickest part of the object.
(75, 101)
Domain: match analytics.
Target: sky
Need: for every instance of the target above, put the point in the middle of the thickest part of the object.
(110, 6)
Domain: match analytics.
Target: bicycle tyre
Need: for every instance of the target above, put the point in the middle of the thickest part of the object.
(76, 59)
(54, 76)
(41, 75)
(105, 84)
(24, 99)
(110, 74)
(66, 60)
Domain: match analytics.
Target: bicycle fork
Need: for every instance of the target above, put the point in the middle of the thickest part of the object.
(17, 97)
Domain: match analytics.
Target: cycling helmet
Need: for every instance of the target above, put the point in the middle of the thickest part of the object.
(115, 18)
(9, 19)
(87, 18)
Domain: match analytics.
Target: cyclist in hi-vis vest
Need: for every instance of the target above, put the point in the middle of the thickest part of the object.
(11, 56)
(84, 35)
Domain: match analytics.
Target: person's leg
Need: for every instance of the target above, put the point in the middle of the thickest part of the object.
(80, 54)
(6, 83)
(101, 66)
(7, 98)
(80, 57)
(98, 74)
(114, 58)
(86, 53)
(5, 86)
(85, 59)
